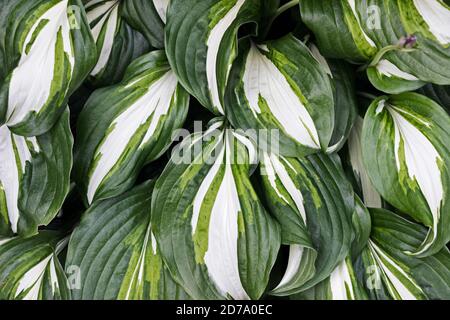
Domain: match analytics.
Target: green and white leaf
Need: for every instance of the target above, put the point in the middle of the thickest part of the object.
(126, 126)
(339, 29)
(117, 43)
(342, 284)
(281, 87)
(430, 18)
(30, 269)
(148, 17)
(345, 104)
(354, 156)
(389, 273)
(50, 52)
(205, 31)
(387, 77)
(215, 236)
(357, 30)
(429, 62)
(116, 253)
(34, 177)
(314, 204)
(407, 157)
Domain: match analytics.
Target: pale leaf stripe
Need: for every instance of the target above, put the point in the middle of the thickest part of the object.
(262, 79)
(213, 43)
(29, 89)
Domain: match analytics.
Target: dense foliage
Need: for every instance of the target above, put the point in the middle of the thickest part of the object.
(224, 149)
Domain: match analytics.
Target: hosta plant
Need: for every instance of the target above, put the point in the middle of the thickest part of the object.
(225, 149)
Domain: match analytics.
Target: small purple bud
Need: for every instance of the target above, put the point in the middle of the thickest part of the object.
(408, 42)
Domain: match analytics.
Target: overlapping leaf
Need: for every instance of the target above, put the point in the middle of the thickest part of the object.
(375, 25)
(49, 51)
(30, 269)
(34, 177)
(342, 284)
(116, 253)
(117, 43)
(280, 86)
(125, 126)
(201, 43)
(149, 17)
(406, 153)
(214, 234)
(389, 273)
(357, 171)
(338, 29)
(440, 94)
(314, 205)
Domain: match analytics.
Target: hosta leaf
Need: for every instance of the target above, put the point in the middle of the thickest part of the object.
(430, 61)
(338, 28)
(357, 170)
(116, 253)
(201, 44)
(440, 94)
(34, 177)
(147, 16)
(314, 205)
(125, 126)
(342, 284)
(406, 153)
(117, 43)
(345, 105)
(430, 18)
(281, 86)
(214, 234)
(49, 52)
(362, 225)
(357, 30)
(30, 269)
(387, 77)
(389, 273)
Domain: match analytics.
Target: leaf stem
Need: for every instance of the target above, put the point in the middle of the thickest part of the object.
(380, 54)
(286, 6)
(366, 95)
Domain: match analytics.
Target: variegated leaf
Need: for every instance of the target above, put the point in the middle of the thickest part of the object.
(49, 52)
(116, 252)
(201, 44)
(338, 28)
(126, 126)
(389, 273)
(342, 284)
(149, 17)
(214, 234)
(345, 104)
(389, 78)
(34, 177)
(429, 62)
(30, 269)
(280, 86)
(358, 172)
(314, 205)
(359, 30)
(430, 18)
(117, 43)
(407, 156)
